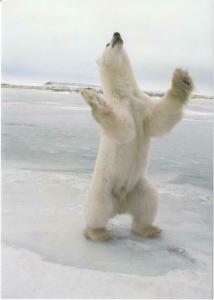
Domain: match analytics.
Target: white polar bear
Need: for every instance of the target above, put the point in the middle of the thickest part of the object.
(128, 119)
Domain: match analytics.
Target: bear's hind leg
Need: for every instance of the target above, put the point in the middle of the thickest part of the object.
(142, 205)
(98, 211)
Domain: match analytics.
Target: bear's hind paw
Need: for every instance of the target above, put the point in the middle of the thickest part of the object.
(100, 234)
(148, 232)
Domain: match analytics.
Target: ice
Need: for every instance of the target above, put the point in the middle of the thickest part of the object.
(36, 278)
(49, 147)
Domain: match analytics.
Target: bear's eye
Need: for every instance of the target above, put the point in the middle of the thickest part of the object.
(107, 44)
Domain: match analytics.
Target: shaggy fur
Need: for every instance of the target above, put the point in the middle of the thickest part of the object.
(128, 119)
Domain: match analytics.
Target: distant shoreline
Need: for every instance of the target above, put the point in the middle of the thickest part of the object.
(77, 88)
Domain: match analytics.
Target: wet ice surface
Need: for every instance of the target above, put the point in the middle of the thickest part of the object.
(49, 147)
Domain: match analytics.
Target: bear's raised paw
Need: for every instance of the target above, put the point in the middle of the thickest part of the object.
(182, 82)
(95, 100)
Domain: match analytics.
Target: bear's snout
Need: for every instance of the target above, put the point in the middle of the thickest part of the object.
(116, 40)
(116, 34)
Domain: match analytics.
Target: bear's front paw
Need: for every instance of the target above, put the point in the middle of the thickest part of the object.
(96, 101)
(182, 83)
(90, 97)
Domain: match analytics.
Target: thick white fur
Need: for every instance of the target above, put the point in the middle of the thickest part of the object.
(128, 120)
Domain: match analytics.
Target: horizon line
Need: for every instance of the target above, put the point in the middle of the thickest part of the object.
(94, 85)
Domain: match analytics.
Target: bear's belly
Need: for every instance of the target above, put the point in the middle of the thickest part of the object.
(120, 166)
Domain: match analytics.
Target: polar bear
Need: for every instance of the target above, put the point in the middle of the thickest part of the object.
(128, 120)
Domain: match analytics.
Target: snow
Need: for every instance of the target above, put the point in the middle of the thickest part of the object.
(49, 148)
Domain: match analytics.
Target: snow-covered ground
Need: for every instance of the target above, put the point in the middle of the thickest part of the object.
(49, 147)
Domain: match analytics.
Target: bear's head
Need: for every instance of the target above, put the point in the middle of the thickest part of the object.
(114, 65)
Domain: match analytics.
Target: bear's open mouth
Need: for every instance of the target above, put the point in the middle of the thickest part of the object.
(116, 40)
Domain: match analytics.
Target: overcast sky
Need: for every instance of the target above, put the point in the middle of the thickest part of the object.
(60, 40)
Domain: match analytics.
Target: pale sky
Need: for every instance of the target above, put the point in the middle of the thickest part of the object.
(60, 40)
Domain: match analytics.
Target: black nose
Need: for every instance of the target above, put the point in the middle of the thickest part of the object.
(116, 40)
(116, 34)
